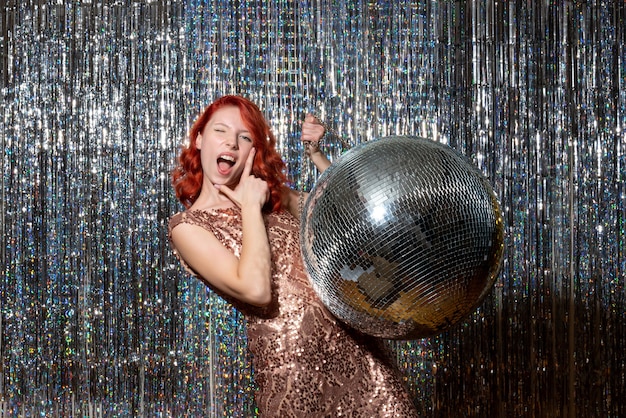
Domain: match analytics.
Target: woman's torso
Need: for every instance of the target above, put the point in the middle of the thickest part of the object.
(305, 362)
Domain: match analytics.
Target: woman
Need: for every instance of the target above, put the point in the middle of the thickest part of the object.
(240, 235)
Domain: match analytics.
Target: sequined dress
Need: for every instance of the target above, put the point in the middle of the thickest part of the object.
(306, 363)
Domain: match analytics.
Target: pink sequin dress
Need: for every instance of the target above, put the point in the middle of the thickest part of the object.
(306, 364)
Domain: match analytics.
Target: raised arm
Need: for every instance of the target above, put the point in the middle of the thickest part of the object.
(312, 133)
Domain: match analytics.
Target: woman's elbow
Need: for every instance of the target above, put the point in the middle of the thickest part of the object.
(260, 297)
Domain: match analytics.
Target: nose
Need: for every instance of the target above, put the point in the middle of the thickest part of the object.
(232, 141)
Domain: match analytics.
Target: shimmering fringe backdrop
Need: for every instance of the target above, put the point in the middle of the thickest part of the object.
(97, 318)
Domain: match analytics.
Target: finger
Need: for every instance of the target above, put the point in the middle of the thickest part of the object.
(311, 146)
(247, 169)
(312, 133)
(229, 193)
(310, 118)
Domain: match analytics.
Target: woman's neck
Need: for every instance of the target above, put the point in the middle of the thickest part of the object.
(211, 199)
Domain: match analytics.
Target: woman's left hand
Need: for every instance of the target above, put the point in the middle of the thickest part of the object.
(312, 133)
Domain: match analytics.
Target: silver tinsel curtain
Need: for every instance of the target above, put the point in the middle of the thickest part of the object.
(96, 316)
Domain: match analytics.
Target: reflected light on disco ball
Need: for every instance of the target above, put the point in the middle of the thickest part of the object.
(401, 237)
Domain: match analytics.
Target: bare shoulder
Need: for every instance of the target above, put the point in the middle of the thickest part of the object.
(192, 243)
(185, 231)
(200, 250)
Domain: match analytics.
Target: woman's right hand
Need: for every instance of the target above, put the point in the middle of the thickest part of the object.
(250, 190)
(247, 277)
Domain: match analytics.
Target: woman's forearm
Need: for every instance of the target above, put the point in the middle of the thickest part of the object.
(255, 259)
(320, 160)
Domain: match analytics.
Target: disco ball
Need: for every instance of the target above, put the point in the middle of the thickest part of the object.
(401, 237)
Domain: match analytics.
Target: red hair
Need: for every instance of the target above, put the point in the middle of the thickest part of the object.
(268, 165)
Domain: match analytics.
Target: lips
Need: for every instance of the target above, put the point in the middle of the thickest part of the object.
(225, 163)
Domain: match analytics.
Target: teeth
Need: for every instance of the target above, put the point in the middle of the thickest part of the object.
(228, 158)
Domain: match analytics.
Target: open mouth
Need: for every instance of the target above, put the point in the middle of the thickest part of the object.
(225, 163)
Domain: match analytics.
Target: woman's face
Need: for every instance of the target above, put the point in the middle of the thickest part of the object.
(224, 145)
